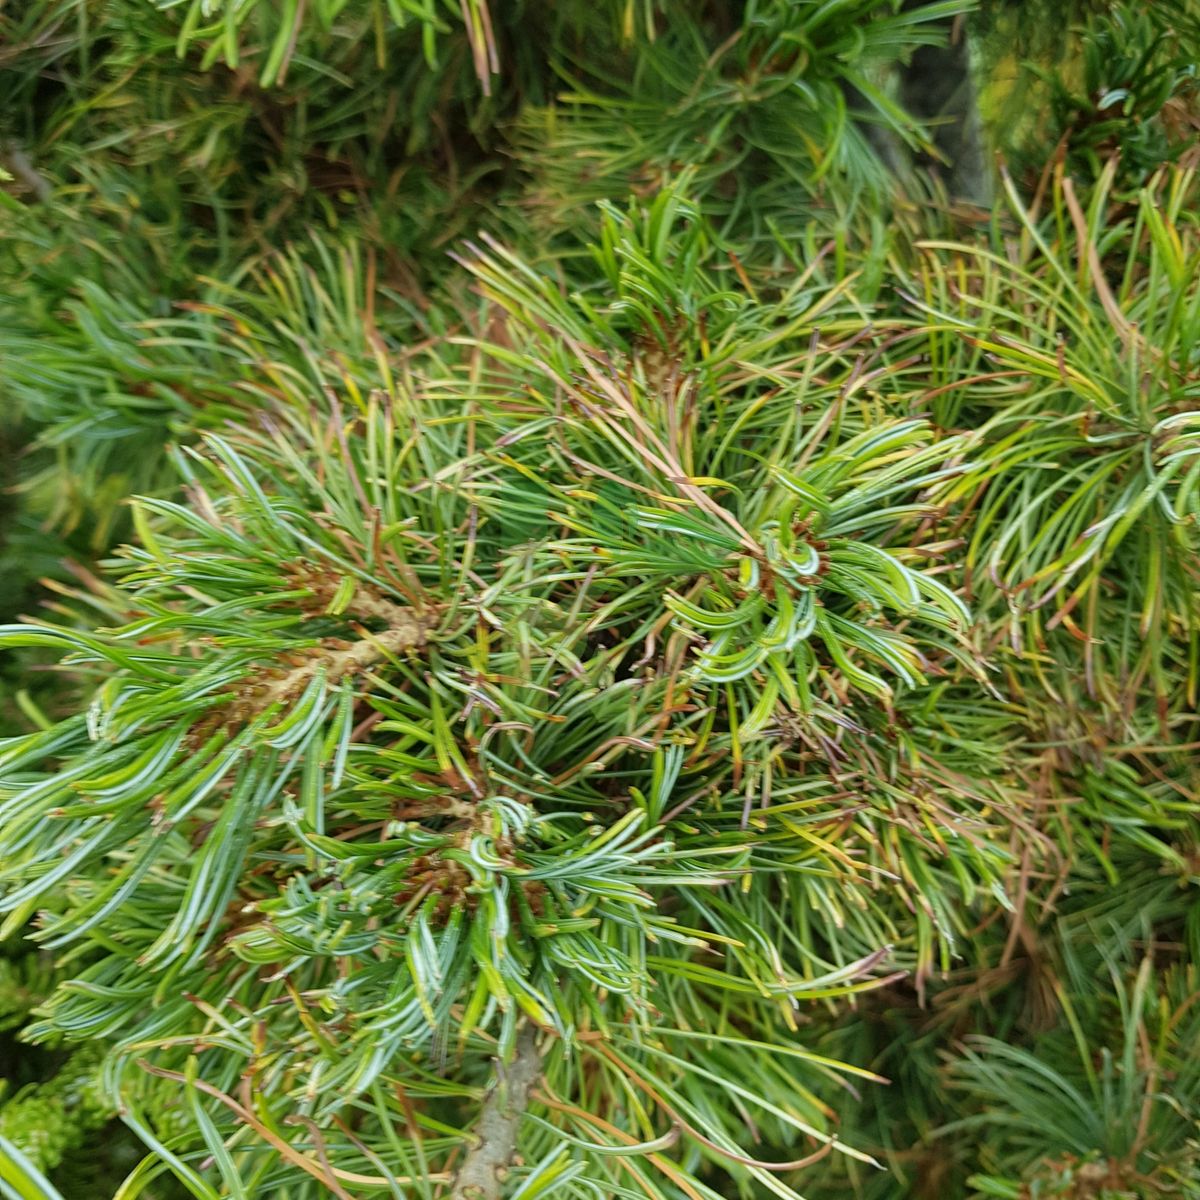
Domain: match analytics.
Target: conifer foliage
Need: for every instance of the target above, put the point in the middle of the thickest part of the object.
(602, 634)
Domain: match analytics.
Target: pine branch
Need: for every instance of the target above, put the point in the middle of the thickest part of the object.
(482, 1171)
(21, 167)
(409, 633)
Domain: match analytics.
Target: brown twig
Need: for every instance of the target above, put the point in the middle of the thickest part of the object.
(482, 1172)
(22, 169)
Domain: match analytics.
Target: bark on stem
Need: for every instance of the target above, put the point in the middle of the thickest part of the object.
(21, 167)
(482, 1172)
(357, 657)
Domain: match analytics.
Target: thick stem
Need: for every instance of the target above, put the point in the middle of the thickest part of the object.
(22, 168)
(482, 1172)
(351, 660)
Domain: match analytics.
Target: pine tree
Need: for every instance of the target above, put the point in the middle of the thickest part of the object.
(617, 637)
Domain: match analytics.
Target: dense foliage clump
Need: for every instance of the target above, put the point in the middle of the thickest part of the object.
(595, 627)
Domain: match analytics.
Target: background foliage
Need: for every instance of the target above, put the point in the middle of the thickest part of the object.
(584, 614)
